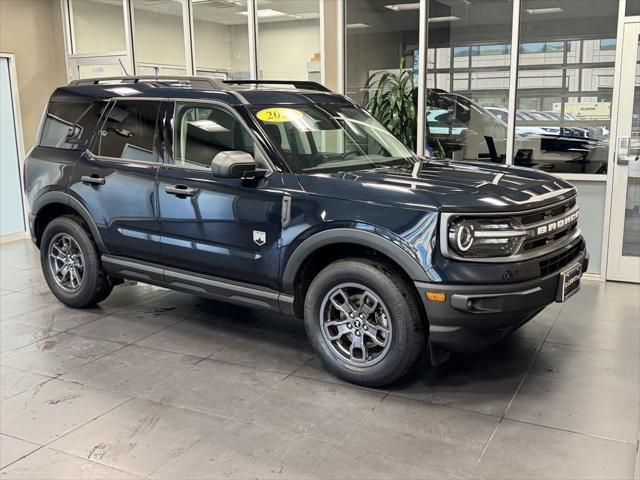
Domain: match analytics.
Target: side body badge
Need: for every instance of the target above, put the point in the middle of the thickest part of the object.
(260, 238)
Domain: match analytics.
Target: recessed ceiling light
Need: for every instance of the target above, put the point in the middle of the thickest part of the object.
(124, 91)
(544, 11)
(399, 7)
(356, 26)
(449, 18)
(208, 125)
(266, 13)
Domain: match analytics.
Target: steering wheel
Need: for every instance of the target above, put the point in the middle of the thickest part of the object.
(347, 154)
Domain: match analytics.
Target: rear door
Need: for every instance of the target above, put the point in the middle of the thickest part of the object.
(115, 179)
(218, 227)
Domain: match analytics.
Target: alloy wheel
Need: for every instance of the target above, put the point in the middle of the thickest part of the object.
(356, 324)
(66, 262)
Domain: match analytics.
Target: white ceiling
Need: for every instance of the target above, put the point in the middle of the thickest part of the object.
(229, 12)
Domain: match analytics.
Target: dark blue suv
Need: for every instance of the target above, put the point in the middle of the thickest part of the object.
(288, 197)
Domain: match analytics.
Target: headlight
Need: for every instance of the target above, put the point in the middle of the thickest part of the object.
(485, 238)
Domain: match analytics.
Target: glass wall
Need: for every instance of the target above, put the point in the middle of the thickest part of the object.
(468, 58)
(158, 36)
(381, 70)
(565, 85)
(289, 39)
(98, 26)
(221, 39)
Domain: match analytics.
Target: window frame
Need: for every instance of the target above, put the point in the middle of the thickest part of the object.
(169, 134)
(92, 146)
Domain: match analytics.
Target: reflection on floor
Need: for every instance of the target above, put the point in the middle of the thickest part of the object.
(161, 384)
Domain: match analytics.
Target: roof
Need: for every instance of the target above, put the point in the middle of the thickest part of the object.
(232, 92)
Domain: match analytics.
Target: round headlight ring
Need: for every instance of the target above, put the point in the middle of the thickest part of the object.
(464, 237)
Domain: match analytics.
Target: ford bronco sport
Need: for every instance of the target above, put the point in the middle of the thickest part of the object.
(288, 197)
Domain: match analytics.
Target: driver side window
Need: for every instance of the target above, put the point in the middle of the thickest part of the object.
(201, 132)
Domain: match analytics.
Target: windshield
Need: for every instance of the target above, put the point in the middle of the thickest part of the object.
(331, 138)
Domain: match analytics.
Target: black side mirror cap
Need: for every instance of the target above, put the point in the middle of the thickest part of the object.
(232, 164)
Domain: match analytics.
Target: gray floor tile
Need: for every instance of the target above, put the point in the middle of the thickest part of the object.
(610, 369)
(345, 462)
(215, 387)
(200, 338)
(484, 383)
(58, 354)
(599, 331)
(48, 464)
(435, 436)
(241, 450)
(267, 350)
(52, 409)
(580, 407)
(12, 449)
(23, 280)
(13, 381)
(131, 370)
(17, 335)
(524, 451)
(130, 325)
(58, 317)
(17, 303)
(139, 436)
(321, 410)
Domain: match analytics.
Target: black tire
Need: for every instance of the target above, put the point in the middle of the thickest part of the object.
(407, 339)
(94, 286)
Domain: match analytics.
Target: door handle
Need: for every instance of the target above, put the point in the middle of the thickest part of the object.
(180, 191)
(92, 179)
(625, 159)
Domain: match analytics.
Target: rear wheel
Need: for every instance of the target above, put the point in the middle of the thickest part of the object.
(71, 264)
(362, 319)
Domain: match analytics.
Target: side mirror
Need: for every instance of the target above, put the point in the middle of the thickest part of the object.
(232, 164)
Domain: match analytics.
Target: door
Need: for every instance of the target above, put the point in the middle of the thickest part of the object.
(115, 179)
(211, 225)
(11, 204)
(624, 239)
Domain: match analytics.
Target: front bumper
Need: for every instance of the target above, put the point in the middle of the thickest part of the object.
(475, 316)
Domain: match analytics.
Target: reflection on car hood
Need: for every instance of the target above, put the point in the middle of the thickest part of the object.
(446, 185)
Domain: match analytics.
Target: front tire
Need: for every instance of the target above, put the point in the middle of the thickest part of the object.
(71, 264)
(363, 321)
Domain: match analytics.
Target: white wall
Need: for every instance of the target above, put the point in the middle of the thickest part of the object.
(284, 48)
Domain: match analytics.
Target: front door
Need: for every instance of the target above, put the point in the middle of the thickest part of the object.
(115, 179)
(624, 239)
(210, 225)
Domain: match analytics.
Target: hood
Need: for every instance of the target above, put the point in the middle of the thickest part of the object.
(444, 185)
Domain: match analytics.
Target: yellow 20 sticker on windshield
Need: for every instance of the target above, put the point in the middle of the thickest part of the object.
(276, 115)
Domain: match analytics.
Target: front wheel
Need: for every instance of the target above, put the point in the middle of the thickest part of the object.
(363, 321)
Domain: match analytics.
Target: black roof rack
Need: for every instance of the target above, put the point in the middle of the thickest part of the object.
(204, 83)
(301, 84)
(194, 82)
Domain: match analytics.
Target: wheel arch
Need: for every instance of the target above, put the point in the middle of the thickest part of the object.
(54, 204)
(317, 251)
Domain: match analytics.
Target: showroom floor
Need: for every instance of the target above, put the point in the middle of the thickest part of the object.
(166, 385)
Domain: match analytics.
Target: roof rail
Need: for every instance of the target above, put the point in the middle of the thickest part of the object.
(301, 84)
(194, 82)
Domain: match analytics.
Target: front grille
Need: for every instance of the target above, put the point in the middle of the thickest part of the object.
(563, 259)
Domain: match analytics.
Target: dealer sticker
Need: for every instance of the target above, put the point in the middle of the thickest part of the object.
(278, 115)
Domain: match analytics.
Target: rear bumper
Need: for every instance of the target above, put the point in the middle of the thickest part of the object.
(475, 316)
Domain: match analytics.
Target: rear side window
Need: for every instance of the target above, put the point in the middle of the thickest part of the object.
(70, 125)
(129, 131)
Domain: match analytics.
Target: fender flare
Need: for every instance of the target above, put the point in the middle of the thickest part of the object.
(63, 198)
(368, 239)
